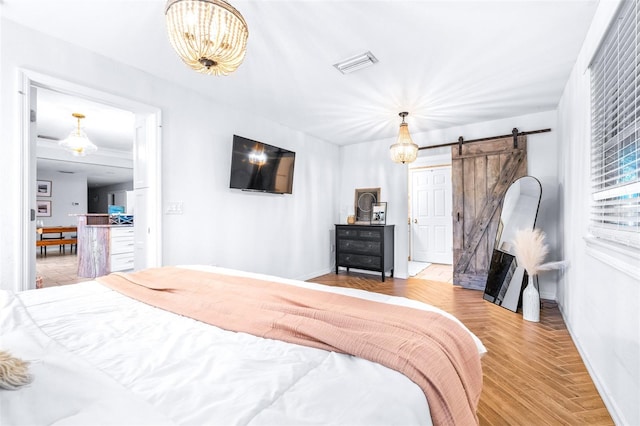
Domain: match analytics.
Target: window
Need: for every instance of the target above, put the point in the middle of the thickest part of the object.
(615, 136)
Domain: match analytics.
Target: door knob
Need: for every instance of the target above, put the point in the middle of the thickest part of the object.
(415, 220)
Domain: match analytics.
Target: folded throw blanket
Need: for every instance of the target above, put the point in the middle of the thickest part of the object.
(430, 349)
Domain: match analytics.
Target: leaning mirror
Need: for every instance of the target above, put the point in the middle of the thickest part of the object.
(519, 211)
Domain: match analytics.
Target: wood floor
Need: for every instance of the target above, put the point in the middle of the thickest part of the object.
(533, 374)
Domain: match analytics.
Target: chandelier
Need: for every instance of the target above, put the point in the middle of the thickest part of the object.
(404, 150)
(77, 142)
(210, 36)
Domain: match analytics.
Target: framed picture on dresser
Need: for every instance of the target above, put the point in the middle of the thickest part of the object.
(379, 213)
(365, 198)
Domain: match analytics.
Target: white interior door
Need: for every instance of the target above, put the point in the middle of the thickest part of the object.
(431, 225)
(146, 201)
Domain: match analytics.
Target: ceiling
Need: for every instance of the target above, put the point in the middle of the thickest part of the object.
(449, 63)
(111, 129)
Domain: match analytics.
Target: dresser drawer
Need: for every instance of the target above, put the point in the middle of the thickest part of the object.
(360, 261)
(121, 245)
(360, 246)
(121, 262)
(121, 240)
(348, 232)
(371, 234)
(359, 232)
(125, 231)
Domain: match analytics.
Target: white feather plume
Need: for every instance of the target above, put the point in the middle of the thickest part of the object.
(530, 249)
(14, 372)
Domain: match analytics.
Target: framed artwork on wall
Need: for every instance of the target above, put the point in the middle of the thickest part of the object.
(379, 213)
(43, 188)
(364, 200)
(43, 208)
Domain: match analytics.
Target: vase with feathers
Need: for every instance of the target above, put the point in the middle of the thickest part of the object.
(530, 250)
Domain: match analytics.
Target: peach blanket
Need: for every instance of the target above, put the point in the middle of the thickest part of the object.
(430, 349)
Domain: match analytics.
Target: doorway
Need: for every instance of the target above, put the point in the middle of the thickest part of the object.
(146, 160)
(431, 226)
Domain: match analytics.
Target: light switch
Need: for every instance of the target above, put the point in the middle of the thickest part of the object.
(174, 207)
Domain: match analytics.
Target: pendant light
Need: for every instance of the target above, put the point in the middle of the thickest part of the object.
(210, 36)
(77, 142)
(404, 150)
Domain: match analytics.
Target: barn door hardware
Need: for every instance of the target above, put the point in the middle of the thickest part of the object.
(460, 140)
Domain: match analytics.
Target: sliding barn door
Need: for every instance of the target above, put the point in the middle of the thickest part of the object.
(481, 175)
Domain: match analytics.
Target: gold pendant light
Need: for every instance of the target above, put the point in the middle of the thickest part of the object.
(210, 36)
(77, 142)
(404, 150)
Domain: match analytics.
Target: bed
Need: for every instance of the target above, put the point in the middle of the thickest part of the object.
(99, 356)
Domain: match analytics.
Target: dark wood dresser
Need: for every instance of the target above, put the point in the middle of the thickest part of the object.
(368, 247)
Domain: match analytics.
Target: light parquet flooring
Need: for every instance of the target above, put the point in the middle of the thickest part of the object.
(437, 272)
(533, 374)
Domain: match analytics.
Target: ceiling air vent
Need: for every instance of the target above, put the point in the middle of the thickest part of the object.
(356, 63)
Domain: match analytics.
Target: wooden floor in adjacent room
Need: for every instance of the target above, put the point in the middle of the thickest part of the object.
(533, 374)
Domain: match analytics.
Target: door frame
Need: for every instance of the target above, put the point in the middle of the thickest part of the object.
(438, 157)
(152, 116)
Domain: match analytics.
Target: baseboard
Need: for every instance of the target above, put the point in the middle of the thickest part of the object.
(602, 389)
(548, 296)
(311, 275)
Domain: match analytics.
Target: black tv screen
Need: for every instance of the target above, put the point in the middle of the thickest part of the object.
(257, 166)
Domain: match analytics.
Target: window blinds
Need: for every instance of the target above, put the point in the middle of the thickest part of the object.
(615, 133)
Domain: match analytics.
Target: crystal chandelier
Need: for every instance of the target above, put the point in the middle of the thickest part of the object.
(210, 36)
(77, 142)
(404, 150)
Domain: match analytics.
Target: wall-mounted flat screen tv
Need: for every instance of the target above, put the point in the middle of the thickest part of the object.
(257, 166)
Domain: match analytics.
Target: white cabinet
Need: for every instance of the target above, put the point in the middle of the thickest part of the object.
(121, 245)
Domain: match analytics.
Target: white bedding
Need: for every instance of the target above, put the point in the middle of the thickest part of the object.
(99, 357)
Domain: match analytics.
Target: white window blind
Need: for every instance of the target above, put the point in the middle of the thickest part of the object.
(615, 133)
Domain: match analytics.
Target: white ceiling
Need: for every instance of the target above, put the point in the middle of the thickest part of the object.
(105, 125)
(111, 129)
(448, 63)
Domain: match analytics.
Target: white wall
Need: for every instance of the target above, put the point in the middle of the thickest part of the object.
(600, 304)
(287, 235)
(368, 165)
(68, 197)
